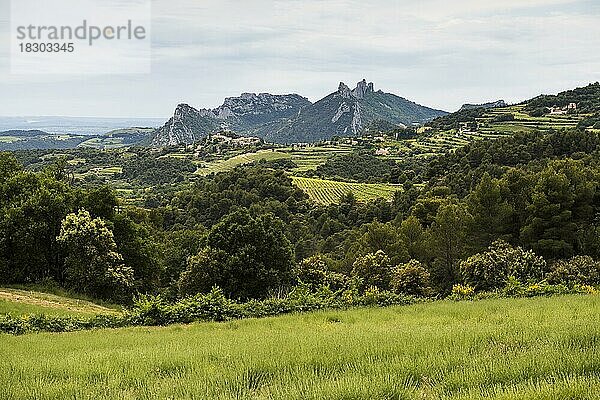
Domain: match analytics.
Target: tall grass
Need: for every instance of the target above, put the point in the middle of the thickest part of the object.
(541, 348)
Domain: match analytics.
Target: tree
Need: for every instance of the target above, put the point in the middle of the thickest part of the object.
(32, 207)
(414, 237)
(315, 272)
(140, 252)
(490, 211)
(411, 278)
(93, 265)
(561, 199)
(384, 237)
(204, 271)
(101, 202)
(448, 239)
(254, 257)
(177, 247)
(374, 270)
(8, 166)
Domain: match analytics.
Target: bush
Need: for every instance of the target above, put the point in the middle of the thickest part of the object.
(374, 269)
(504, 118)
(579, 270)
(539, 112)
(411, 278)
(314, 272)
(214, 306)
(462, 292)
(492, 269)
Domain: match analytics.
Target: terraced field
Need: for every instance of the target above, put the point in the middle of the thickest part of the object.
(230, 163)
(525, 122)
(329, 192)
(440, 142)
(308, 158)
(9, 139)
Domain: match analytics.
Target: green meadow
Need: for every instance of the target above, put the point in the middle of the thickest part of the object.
(541, 348)
(20, 302)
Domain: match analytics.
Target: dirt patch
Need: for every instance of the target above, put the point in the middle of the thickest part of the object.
(52, 301)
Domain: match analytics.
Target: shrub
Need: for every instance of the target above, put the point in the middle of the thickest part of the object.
(374, 269)
(314, 272)
(539, 112)
(582, 270)
(504, 118)
(491, 270)
(462, 292)
(411, 278)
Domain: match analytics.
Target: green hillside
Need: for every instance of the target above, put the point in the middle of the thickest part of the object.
(20, 302)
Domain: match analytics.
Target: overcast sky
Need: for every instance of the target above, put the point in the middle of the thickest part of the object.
(439, 53)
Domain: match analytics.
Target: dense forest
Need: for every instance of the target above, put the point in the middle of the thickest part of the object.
(523, 208)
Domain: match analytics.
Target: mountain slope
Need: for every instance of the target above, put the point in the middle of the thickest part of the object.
(493, 104)
(241, 114)
(346, 112)
(251, 110)
(292, 118)
(186, 126)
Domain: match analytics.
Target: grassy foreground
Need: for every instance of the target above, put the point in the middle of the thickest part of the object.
(542, 348)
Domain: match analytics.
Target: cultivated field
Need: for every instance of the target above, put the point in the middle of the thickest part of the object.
(328, 192)
(231, 163)
(542, 348)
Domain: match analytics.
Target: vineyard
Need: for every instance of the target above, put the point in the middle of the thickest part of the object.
(445, 141)
(329, 192)
(231, 163)
(308, 158)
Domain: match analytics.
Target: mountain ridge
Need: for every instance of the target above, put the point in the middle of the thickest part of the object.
(240, 114)
(293, 118)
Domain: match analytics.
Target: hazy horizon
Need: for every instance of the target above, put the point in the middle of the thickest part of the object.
(432, 53)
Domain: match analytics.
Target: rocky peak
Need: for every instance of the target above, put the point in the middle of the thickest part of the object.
(359, 92)
(261, 104)
(493, 104)
(344, 91)
(363, 88)
(183, 109)
(246, 96)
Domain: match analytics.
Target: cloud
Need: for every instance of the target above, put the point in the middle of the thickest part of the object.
(437, 52)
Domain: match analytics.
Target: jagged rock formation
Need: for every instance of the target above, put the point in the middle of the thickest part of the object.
(494, 104)
(187, 126)
(252, 110)
(292, 118)
(347, 112)
(247, 112)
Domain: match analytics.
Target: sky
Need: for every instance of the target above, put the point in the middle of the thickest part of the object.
(438, 53)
